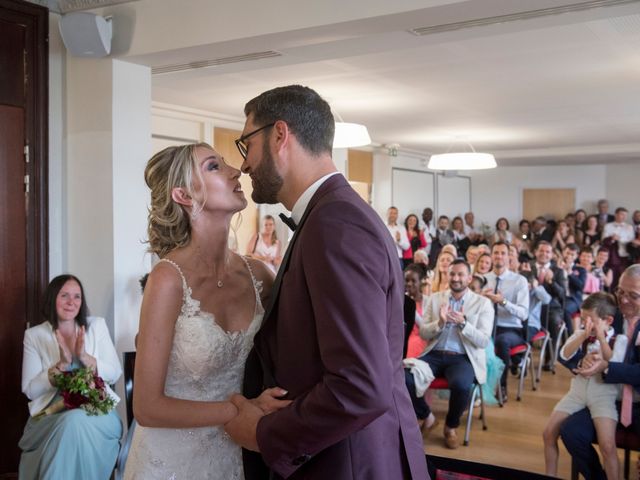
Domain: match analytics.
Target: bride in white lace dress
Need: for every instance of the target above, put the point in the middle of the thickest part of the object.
(201, 308)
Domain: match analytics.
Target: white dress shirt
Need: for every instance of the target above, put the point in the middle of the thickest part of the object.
(624, 231)
(515, 291)
(41, 352)
(403, 242)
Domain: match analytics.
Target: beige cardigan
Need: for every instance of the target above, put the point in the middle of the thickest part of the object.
(475, 335)
(41, 352)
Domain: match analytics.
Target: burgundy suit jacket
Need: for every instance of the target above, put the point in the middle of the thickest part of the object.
(333, 338)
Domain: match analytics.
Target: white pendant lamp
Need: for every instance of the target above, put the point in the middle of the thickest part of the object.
(462, 160)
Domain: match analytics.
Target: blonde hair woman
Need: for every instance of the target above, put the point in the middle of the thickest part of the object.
(265, 246)
(202, 305)
(441, 278)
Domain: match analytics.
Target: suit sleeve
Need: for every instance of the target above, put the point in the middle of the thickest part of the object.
(628, 373)
(480, 333)
(35, 374)
(352, 338)
(430, 327)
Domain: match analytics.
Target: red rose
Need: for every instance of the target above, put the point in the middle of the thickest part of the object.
(99, 382)
(73, 400)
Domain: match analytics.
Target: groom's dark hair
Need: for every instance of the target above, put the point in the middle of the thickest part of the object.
(306, 113)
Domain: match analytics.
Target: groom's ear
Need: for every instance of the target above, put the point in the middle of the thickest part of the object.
(181, 197)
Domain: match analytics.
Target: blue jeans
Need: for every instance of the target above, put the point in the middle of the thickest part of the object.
(458, 371)
(506, 339)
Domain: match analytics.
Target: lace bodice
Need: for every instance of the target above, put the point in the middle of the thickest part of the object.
(206, 363)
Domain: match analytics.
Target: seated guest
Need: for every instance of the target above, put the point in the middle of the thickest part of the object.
(563, 236)
(458, 326)
(538, 297)
(594, 336)
(414, 276)
(592, 283)
(416, 238)
(71, 443)
(474, 235)
(265, 245)
(616, 236)
(541, 231)
(483, 265)
(524, 230)
(484, 248)
(460, 239)
(510, 295)
(602, 271)
(633, 247)
(443, 236)
(554, 281)
(580, 220)
(502, 233)
(514, 262)
(472, 256)
(524, 250)
(441, 278)
(576, 279)
(591, 234)
(604, 216)
(578, 430)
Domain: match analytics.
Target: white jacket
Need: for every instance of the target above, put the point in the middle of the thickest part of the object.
(41, 352)
(476, 334)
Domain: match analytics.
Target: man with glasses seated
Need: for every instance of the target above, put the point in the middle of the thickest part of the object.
(578, 431)
(458, 324)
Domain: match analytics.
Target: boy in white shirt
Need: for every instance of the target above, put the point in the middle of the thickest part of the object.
(596, 334)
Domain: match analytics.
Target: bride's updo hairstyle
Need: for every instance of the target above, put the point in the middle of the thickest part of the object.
(169, 225)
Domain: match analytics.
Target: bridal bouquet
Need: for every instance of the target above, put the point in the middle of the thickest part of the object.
(80, 388)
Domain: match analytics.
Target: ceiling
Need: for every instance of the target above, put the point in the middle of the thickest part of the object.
(554, 86)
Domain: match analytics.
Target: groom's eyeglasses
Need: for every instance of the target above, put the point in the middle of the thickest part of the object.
(242, 147)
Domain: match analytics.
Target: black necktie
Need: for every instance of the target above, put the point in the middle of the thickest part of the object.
(495, 308)
(289, 222)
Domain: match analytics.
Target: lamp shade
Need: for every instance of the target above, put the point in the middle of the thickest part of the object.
(462, 161)
(350, 135)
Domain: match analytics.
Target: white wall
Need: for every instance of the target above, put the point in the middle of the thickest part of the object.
(623, 186)
(498, 192)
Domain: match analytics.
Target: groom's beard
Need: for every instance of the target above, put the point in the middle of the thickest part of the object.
(267, 182)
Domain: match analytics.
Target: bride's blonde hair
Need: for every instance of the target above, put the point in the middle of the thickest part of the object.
(169, 225)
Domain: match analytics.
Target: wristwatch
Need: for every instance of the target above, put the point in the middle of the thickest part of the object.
(503, 302)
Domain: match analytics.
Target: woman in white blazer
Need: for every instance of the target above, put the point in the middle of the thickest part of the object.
(69, 444)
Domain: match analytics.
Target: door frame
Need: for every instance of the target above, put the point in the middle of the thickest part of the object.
(36, 106)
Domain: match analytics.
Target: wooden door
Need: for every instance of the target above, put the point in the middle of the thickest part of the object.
(244, 224)
(548, 202)
(23, 204)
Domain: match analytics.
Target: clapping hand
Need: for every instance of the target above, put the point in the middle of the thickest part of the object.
(86, 359)
(66, 358)
(494, 297)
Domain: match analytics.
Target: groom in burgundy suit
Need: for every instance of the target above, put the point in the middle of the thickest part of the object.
(332, 334)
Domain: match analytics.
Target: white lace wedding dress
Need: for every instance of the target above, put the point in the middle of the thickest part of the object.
(206, 364)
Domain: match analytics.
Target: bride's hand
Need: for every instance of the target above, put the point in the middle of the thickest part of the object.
(269, 400)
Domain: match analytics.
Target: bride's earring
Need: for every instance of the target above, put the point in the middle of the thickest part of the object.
(195, 211)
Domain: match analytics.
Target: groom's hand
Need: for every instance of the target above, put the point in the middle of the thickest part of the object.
(270, 401)
(242, 429)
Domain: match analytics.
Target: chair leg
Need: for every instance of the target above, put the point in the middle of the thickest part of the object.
(482, 414)
(523, 368)
(500, 399)
(532, 371)
(543, 354)
(627, 455)
(559, 341)
(472, 399)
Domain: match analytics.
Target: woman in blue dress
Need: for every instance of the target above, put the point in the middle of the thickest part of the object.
(69, 444)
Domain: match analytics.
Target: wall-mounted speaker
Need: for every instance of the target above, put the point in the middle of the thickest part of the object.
(86, 34)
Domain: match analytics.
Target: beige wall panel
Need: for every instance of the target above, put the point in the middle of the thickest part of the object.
(223, 140)
(360, 166)
(548, 202)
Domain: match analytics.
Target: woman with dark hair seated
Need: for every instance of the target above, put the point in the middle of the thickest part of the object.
(72, 443)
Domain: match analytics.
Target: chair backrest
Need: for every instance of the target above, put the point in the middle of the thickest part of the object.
(129, 362)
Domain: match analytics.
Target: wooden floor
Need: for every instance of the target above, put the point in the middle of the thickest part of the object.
(514, 435)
